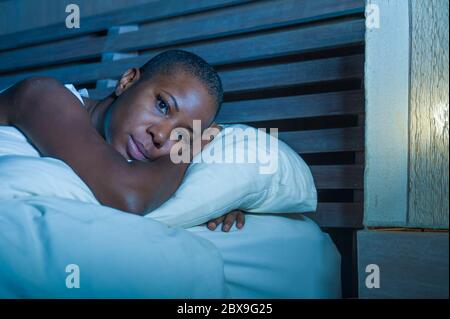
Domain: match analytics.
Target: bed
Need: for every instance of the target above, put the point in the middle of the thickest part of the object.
(50, 221)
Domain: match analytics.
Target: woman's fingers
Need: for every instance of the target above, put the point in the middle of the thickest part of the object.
(212, 224)
(235, 216)
(229, 220)
(240, 219)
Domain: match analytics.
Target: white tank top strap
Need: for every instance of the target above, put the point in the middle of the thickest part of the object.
(79, 94)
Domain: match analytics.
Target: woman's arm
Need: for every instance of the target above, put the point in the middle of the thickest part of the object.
(53, 120)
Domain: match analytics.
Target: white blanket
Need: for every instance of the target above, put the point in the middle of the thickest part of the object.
(118, 255)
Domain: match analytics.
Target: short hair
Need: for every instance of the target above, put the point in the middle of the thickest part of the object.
(167, 61)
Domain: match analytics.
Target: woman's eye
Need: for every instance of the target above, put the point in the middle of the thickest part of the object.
(163, 106)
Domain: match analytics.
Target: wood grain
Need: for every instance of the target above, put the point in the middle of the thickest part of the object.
(429, 157)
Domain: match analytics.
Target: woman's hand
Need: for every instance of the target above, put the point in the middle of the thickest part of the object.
(228, 220)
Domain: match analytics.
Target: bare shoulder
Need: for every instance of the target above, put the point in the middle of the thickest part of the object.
(32, 85)
(34, 92)
(35, 87)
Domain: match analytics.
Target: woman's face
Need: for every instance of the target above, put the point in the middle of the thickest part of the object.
(139, 122)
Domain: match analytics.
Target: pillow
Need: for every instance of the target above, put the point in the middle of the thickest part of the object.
(23, 173)
(25, 176)
(278, 181)
(13, 142)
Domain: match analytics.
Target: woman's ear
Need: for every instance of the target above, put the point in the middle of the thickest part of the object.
(130, 77)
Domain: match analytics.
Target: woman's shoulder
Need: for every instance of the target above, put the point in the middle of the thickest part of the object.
(46, 94)
(28, 90)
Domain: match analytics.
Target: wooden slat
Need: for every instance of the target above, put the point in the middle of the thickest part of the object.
(334, 215)
(311, 105)
(282, 75)
(273, 76)
(338, 176)
(328, 140)
(293, 73)
(252, 47)
(259, 16)
(152, 11)
(281, 42)
(338, 215)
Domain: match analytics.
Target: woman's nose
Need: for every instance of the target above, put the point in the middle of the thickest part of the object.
(159, 135)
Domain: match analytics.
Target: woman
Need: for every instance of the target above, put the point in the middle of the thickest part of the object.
(120, 146)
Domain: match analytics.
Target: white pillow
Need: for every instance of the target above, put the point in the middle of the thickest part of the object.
(23, 173)
(210, 190)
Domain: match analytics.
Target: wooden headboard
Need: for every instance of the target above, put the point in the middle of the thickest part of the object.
(297, 65)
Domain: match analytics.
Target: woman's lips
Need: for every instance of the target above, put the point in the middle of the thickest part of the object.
(133, 150)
